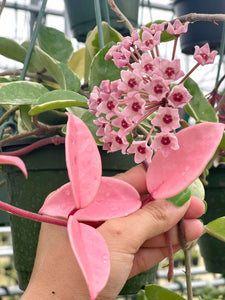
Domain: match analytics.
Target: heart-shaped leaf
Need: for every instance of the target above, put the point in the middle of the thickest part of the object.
(92, 255)
(83, 161)
(115, 198)
(216, 228)
(168, 176)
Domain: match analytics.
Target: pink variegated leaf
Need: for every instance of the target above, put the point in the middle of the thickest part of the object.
(60, 203)
(13, 160)
(168, 176)
(83, 161)
(92, 254)
(115, 198)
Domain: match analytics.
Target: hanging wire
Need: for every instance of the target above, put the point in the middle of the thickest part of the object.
(99, 23)
(33, 40)
(105, 9)
(221, 52)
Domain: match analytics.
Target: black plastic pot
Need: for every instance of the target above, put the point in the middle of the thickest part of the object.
(200, 32)
(82, 19)
(212, 249)
(4, 216)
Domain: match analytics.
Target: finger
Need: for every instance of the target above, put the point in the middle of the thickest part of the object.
(146, 258)
(193, 230)
(196, 209)
(151, 220)
(136, 176)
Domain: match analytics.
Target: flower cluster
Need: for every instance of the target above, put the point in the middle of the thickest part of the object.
(139, 113)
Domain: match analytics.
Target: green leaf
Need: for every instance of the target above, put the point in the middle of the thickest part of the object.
(102, 69)
(92, 44)
(21, 92)
(216, 228)
(156, 292)
(197, 189)
(180, 198)
(55, 43)
(58, 99)
(71, 79)
(11, 49)
(199, 107)
(41, 60)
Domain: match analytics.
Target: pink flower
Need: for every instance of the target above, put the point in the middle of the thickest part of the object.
(170, 70)
(165, 142)
(122, 122)
(135, 107)
(149, 41)
(141, 151)
(167, 119)
(108, 107)
(116, 142)
(157, 88)
(130, 81)
(121, 58)
(179, 96)
(94, 100)
(203, 55)
(89, 197)
(147, 65)
(103, 126)
(177, 27)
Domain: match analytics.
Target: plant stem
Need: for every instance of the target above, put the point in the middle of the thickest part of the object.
(56, 140)
(187, 259)
(30, 215)
(121, 15)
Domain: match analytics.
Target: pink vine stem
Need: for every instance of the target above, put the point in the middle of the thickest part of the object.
(30, 215)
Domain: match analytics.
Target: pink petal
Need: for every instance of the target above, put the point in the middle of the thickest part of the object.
(59, 203)
(168, 176)
(115, 198)
(13, 160)
(83, 161)
(92, 254)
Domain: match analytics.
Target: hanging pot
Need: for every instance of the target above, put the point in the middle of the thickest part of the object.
(212, 249)
(4, 216)
(200, 32)
(82, 19)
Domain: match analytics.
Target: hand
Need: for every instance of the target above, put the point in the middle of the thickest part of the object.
(136, 243)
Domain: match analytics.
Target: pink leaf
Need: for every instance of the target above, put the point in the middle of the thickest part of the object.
(168, 176)
(92, 255)
(83, 161)
(115, 198)
(59, 203)
(13, 160)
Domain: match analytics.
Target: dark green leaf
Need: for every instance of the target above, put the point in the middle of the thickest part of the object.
(21, 92)
(102, 69)
(199, 107)
(156, 292)
(180, 198)
(58, 99)
(55, 43)
(216, 228)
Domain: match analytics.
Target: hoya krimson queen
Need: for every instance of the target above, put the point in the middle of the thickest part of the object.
(89, 197)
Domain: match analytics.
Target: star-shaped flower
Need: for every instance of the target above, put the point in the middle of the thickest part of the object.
(89, 197)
